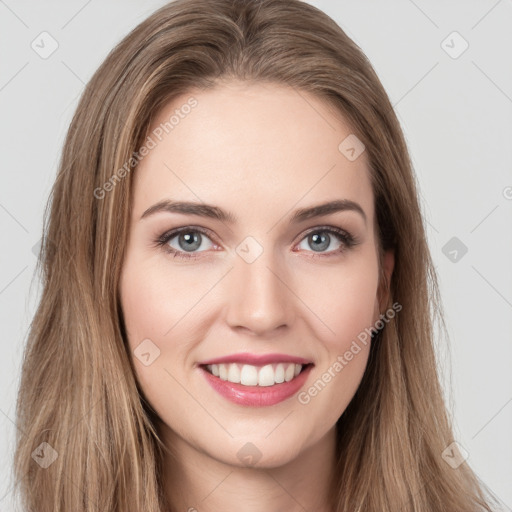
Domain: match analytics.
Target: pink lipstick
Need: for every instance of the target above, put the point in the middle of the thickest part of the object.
(255, 379)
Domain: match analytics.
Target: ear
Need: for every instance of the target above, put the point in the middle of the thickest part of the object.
(388, 264)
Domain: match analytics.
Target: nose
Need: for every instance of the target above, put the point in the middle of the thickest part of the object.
(259, 298)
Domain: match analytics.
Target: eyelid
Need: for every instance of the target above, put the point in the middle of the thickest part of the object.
(188, 227)
(327, 228)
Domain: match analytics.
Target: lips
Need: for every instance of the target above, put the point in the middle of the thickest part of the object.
(256, 380)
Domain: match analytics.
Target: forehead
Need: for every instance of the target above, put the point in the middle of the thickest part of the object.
(255, 149)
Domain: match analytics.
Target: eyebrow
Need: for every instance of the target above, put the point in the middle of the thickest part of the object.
(214, 212)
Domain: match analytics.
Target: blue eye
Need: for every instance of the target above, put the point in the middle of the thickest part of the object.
(321, 239)
(190, 239)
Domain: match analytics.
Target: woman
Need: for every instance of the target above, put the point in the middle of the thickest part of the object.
(237, 287)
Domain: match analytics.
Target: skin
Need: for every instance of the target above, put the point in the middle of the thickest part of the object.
(260, 151)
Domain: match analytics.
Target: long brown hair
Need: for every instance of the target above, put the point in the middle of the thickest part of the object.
(78, 392)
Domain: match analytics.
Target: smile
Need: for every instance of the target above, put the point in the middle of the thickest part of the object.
(256, 385)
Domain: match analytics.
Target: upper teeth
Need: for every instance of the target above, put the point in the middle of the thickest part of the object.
(249, 375)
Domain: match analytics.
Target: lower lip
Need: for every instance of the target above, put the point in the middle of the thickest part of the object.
(257, 396)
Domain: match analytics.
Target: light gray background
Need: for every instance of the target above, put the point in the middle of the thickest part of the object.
(457, 117)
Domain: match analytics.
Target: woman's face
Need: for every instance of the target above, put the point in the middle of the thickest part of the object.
(257, 285)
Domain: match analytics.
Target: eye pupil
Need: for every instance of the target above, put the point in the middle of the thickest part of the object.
(193, 242)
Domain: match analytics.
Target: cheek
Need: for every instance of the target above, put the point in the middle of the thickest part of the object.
(155, 301)
(171, 308)
(354, 311)
(342, 297)
(156, 306)
(344, 301)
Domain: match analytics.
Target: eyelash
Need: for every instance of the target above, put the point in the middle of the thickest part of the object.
(346, 238)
